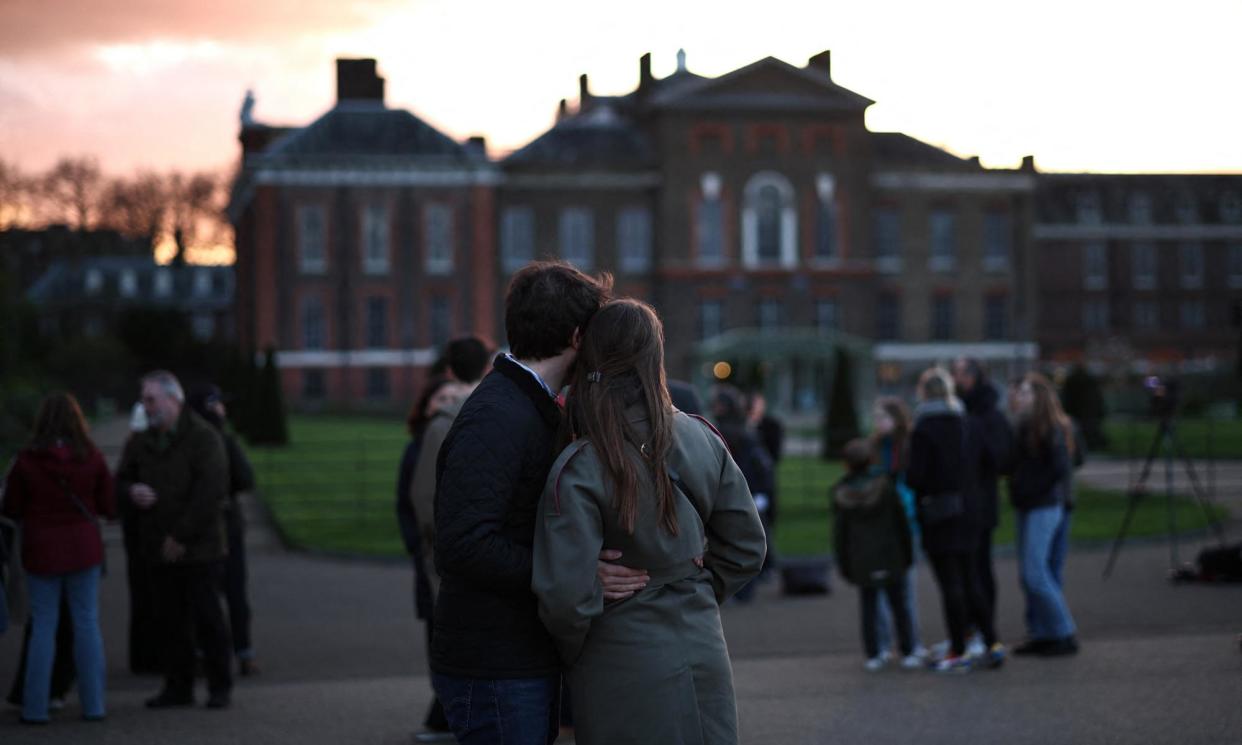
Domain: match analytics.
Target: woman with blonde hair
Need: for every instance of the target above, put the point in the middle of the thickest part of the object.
(945, 453)
(58, 489)
(1039, 488)
(654, 483)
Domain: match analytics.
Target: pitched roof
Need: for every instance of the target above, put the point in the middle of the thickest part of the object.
(363, 129)
(597, 138)
(894, 149)
(755, 86)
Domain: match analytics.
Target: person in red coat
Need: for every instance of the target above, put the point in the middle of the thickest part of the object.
(58, 489)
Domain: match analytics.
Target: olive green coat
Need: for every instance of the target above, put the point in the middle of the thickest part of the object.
(653, 668)
(189, 471)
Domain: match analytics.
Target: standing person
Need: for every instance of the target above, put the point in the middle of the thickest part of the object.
(980, 398)
(944, 464)
(873, 549)
(176, 476)
(890, 440)
(208, 402)
(438, 394)
(58, 489)
(771, 434)
(1039, 488)
(730, 413)
(468, 360)
(655, 483)
(494, 666)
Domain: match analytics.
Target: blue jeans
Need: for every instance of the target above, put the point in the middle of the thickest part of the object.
(82, 590)
(884, 621)
(1047, 615)
(524, 711)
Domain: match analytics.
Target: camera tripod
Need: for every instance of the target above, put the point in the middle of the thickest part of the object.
(1165, 440)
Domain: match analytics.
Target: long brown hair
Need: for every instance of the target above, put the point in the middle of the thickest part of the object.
(1046, 414)
(620, 363)
(60, 420)
(900, 414)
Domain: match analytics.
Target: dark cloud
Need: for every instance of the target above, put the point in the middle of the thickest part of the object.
(33, 28)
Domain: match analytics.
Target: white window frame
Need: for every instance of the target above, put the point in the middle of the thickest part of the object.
(438, 238)
(576, 237)
(1144, 263)
(634, 240)
(788, 221)
(202, 282)
(163, 282)
(517, 237)
(1003, 237)
(1190, 260)
(710, 188)
(1091, 279)
(312, 247)
(375, 239)
(127, 284)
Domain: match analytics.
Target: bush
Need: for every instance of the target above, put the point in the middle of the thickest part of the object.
(1083, 398)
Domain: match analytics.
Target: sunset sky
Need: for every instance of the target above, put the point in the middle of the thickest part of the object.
(1084, 85)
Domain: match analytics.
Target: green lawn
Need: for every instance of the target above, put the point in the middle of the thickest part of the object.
(333, 489)
(1200, 438)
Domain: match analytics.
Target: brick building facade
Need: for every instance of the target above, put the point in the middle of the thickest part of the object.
(746, 206)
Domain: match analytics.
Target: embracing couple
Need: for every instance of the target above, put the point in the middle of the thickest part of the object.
(595, 540)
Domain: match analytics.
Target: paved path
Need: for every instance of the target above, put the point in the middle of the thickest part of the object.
(1221, 479)
(343, 663)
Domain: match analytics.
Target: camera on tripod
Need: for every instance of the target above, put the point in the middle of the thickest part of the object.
(1164, 396)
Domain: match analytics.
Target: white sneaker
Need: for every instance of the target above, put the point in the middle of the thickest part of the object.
(975, 647)
(875, 664)
(940, 650)
(912, 661)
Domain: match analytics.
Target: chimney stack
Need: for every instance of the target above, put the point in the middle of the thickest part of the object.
(357, 80)
(1028, 163)
(644, 71)
(477, 146)
(584, 92)
(821, 62)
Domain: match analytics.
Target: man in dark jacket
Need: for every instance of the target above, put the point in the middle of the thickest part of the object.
(996, 440)
(493, 664)
(175, 476)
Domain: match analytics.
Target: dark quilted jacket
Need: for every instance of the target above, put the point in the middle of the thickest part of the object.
(490, 474)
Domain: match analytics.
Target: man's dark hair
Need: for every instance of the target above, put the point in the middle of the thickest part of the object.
(546, 302)
(468, 358)
(858, 455)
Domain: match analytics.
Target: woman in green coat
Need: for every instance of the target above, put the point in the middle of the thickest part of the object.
(661, 487)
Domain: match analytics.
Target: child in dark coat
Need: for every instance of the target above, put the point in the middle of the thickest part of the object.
(873, 548)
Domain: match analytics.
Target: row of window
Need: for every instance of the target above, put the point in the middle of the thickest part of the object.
(376, 239)
(1145, 316)
(1144, 266)
(205, 282)
(1139, 208)
(576, 238)
(378, 385)
(942, 231)
(377, 316)
(770, 317)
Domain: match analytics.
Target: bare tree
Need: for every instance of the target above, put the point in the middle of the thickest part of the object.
(14, 195)
(72, 189)
(136, 207)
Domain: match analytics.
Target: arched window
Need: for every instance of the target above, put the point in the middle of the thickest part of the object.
(769, 222)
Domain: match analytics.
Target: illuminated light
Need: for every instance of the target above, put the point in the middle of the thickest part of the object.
(722, 370)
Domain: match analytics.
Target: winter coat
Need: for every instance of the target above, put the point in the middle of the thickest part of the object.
(653, 668)
(996, 445)
(408, 525)
(871, 535)
(490, 472)
(56, 537)
(1041, 474)
(944, 459)
(189, 470)
(423, 490)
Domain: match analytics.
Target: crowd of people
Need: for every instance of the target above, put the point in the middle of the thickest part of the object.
(931, 479)
(573, 523)
(175, 491)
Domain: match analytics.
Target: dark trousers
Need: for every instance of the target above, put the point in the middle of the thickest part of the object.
(188, 602)
(436, 721)
(963, 599)
(523, 711)
(870, 601)
(64, 671)
(145, 647)
(986, 572)
(235, 586)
